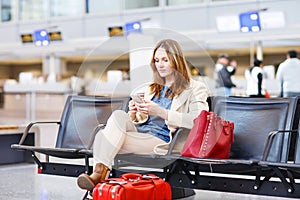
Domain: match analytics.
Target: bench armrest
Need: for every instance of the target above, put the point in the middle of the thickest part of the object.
(28, 127)
(271, 138)
(176, 135)
(93, 135)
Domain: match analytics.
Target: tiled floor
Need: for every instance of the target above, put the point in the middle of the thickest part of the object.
(21, 182)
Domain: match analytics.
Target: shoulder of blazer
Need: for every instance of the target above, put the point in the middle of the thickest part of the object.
(194, 85)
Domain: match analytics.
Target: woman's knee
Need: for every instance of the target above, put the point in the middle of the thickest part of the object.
(119, 115)
(119, 119)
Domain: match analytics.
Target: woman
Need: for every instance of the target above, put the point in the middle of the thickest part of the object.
(254, 77)
(173, 100)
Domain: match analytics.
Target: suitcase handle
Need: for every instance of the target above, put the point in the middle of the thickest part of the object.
(142, 182)
(132, 177)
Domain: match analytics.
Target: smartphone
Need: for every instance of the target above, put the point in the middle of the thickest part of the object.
(137, 98)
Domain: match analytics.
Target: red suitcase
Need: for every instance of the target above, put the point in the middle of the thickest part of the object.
(133, 186)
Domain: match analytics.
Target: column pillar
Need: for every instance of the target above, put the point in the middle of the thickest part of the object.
(140, 53)
(53, 65)
(259, 51)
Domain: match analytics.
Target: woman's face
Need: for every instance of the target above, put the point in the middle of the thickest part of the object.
(162, 63)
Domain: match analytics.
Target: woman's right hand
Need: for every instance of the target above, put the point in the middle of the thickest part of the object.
(132, 110)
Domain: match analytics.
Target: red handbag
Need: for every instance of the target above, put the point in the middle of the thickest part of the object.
(210, 137)
(133, 186)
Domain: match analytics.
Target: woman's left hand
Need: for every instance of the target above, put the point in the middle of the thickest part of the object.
(151, 108)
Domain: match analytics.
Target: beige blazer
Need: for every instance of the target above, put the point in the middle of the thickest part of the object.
(184, 109)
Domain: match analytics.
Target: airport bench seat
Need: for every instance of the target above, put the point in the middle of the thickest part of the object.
(254, 119)
(286, 171)
(81, 119)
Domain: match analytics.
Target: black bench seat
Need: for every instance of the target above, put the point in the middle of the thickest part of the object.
(253, 161)
(254, 119)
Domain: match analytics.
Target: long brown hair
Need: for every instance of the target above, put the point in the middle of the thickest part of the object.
(178, 63)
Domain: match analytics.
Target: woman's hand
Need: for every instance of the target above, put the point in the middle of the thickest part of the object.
(151, 108)
(132, 110)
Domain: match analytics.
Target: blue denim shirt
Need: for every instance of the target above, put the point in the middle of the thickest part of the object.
(155, 125)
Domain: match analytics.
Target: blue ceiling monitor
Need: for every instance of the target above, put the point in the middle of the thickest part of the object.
(249, 22)
(133, 27)
(41, 37)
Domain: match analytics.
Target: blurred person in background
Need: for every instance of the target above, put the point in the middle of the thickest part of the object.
(232, 66)
(255, 76)
(288, 74)
(223, 60)
(223, 73)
